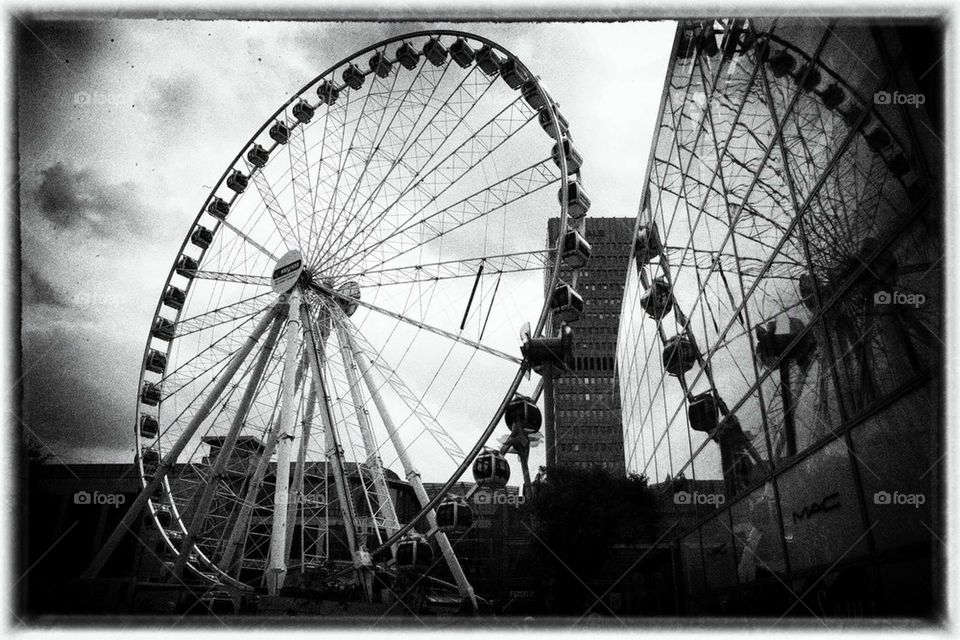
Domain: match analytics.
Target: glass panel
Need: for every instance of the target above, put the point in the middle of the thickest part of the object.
(692, 561)
(718, 551)
(821, 514)
(756, 529)
(895, 455)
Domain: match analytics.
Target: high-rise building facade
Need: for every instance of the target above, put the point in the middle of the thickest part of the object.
(782, 323)
(587, 400)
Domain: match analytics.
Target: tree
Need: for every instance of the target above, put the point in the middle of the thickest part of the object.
(577, 516)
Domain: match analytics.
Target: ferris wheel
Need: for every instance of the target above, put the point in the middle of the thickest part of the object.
(343, 313)
(782, 206)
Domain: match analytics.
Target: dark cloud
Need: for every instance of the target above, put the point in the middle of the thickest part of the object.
(76, 394)
(73, 198)
(39, 290)
(54, 43)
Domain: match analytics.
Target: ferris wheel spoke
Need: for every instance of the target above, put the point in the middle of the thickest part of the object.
(246, 238)
(435, 182)
(221, 276)
(397, 139)
(450, 116)
(302, 190)
(205, 360)
(221, 315)
(333, 211)
(413, 403)
(287, 235)
(374, 142)
(327, 292)
(489, 200)
(454, 269)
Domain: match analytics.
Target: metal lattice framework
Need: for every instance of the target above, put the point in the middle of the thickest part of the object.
(781, 200)
(409, 186)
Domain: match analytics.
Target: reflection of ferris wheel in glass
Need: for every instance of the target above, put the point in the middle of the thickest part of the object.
(348, 299)
(776, 217)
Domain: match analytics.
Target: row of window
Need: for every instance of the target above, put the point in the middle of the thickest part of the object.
(600, 448)
(573, 380)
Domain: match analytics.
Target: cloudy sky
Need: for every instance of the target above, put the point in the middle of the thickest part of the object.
(125, 124)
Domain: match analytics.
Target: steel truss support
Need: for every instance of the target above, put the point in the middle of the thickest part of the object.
(334, 450)
(226, 450)
(411, 473)
(298, 475)
(170, 459)
(385, 507)
(276, 571)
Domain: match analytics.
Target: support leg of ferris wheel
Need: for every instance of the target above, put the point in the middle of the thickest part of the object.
(387, 512)
(297, 484)
(276, 571)
(334, 450)
(252, 492)
(170, 459)
(249, 500)
(412, 475)
(226, 451)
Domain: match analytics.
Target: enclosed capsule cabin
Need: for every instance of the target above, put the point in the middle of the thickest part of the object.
(546, 122)
(218, 208)
(303, 112)
(435, 52)
(576, 249)
(462, 53)
(679, 355)
(489, 60)
(657, 301)
(533, 95)
(556, 351)
(258, 156)
(578, 203)
(149, 426)
(150, 394)
(573, 157)
(413, 552)
(353, 77)
(566, 303)
(156, 362)
(201, 237)
(646, 245)
(407, 56)
(454, 515)
(379, 65)
(162, 329)
(280, 132)
(186, 267)
(491, 469)
(704, 412)
(174, 298)
(513, 73)
(524, 413)
(237, 182)
(328, 92)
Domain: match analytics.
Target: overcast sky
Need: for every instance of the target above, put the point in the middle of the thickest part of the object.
(125, 124)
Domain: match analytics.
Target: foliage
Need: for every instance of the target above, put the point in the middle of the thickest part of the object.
(578, 515)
